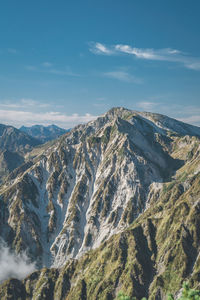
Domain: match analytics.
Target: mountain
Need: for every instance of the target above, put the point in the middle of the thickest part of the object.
(112, 205)
(44, 133)
(14, 144)
(14, 140)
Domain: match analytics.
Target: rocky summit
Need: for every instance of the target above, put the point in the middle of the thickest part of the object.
(113, 205)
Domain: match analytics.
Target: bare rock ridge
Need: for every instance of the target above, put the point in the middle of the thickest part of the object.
(121, 185)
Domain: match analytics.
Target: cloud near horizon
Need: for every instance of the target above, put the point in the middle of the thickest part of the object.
(165, 54)
(187, 114)
(18, 118)
(30, 112)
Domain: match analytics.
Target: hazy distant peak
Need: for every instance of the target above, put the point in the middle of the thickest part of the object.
(44, 133)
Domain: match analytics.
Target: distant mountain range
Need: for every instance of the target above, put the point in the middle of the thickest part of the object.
(44, 133)
(13, 139)
(112, 205)
(16, 143)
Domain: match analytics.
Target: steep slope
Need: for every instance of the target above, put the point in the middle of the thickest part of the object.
(13, 145)
(44, 133)
(150, 258)
(95, 182)
(14, 140)
(9, 161)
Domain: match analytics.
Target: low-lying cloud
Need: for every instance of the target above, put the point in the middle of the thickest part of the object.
(13, 265)
(30, 112)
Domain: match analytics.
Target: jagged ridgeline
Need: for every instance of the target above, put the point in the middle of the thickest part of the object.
(111, 206)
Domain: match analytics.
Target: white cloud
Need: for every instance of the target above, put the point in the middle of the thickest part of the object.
(99, 48)
(165, 54)
(140, 53)
(150, 54)
(193, 65)
(28, 118)
(122, 76)
(147, 105)
(13, 265)
(23, 103)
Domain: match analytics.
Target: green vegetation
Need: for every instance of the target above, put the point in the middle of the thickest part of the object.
(122, 296)
(187, 294)
(153, 253)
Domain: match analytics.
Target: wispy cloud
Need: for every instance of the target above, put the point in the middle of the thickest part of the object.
(46, 67)
(195, 120)
(150, 54)
(99, 48)
(193, 65)
(188, 114)
(22, 103)
(122, 76)
(165, 54)
(147, 105)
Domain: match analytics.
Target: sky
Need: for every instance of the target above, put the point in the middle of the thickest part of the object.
(67, 62)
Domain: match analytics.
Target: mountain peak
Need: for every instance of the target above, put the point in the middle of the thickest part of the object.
(44, 133)
(109, 186)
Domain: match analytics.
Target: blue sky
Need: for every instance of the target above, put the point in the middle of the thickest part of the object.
(66, 62)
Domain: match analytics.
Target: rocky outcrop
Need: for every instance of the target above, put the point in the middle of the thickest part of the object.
(116, 202)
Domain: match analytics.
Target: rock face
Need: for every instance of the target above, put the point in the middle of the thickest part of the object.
(44, 133)
(14, 144)
(125, 185)
(14, 140)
